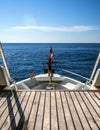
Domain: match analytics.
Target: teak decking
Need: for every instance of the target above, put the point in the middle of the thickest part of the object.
(50, 110)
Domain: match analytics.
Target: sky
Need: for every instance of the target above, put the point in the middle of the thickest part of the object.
(50, 21)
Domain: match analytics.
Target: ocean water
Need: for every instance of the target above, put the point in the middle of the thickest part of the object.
(23, 58)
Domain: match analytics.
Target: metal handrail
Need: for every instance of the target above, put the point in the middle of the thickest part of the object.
(70, 72)
(75, 74)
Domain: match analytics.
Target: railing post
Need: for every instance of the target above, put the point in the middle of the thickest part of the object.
(6, 66)
(94, 69)
(4, 61)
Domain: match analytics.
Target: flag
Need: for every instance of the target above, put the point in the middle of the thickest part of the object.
(51, 54)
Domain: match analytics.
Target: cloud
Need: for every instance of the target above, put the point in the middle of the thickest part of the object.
(59, 28)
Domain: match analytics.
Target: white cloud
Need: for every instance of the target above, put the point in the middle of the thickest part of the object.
(60, 28)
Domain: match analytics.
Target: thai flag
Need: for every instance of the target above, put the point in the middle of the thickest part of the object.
(51, 54)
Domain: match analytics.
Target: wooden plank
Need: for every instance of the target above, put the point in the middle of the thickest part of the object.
(92, 110)
(52, 110)
(98, 95)
(43, 110)
(68, 118)
(87, 111)
(31, 122)
(12, 116)
(19, 116)
(5, 104)
(8, 113)
(63, 109)
(37, 110)
(95, 98)
(93, 103)
(5, 116)
(40, 115)
(46, 125)
(54, 123)
(80, 113)
(27, 111)
(61, 119)
(3, 97)
(83, 108)
(75, 118)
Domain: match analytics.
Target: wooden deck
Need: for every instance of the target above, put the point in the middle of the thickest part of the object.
(50, 110)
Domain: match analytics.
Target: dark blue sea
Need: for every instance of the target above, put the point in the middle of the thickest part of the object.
(23, 58)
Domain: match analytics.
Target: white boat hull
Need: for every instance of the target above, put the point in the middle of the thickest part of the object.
(58, 82)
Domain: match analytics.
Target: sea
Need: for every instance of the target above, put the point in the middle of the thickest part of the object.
(24, 58)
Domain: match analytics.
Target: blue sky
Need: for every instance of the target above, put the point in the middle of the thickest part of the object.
(50, 21)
